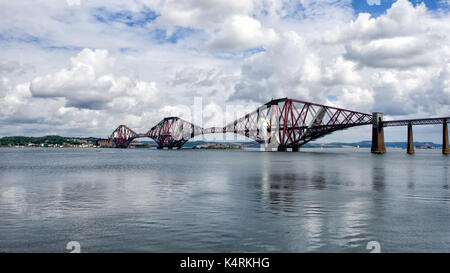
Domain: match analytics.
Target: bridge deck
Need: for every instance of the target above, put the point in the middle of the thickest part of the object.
(424, 121)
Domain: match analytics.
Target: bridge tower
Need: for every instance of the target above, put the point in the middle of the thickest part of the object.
(377, 134)
(445, 147)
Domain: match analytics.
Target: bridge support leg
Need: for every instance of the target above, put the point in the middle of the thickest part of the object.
(295, 149)
(377, 134)
(410, 145)
(445, 147)
(281, 149)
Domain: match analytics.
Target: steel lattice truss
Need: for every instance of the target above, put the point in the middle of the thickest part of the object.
(285, 123)
(123, 136)
(425, 121)
(289, 123)
(173, 132)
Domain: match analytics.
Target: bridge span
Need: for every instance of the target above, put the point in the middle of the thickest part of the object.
(279, 125)
(378, 133)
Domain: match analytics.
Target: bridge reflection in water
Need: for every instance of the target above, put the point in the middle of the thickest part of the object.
(279, 125)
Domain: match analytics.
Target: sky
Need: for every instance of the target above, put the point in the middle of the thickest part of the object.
(83, 67)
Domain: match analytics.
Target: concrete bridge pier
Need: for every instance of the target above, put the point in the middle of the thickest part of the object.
(295, 149)
(410, 145)
(377, 134)
(445, 147)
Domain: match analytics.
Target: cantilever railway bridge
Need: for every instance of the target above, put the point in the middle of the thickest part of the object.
(279, 125)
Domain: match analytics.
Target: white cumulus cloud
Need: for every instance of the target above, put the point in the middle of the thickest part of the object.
(89, 84)
(241, 32)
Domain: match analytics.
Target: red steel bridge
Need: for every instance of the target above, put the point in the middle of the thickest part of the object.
(280, 124)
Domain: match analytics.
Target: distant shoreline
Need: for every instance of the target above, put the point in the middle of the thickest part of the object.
(211, 147)
(55, 141)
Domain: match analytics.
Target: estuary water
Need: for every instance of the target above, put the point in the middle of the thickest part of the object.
(145, 200)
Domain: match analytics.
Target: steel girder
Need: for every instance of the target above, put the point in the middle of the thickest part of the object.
(425, 121)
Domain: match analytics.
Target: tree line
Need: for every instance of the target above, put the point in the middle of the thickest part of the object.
(52, 139)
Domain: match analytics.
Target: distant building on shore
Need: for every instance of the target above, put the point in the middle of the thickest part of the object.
(104, 143)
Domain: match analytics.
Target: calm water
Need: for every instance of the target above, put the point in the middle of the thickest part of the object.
(142, 200)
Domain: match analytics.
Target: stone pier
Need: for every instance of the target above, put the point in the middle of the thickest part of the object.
(410, 145)
(445, 147)
(377, 134)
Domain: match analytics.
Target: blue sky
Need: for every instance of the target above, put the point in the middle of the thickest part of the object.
(378, 7)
